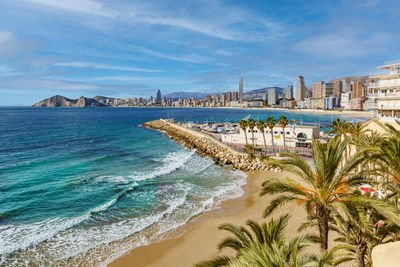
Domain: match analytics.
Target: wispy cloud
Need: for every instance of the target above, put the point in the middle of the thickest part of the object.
(214, 20)
(187, 58)
(83, 6)
(343, 43)
(102, 66)
(11, 46)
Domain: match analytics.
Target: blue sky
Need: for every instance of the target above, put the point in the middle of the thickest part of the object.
(132, 48)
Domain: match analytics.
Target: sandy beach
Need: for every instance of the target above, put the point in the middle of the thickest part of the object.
(201, 235)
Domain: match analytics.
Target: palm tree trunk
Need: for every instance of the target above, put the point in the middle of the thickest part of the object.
(323, 218)
(360, 252)
(252, 137)
(272, 142)
(245, 136)
(284, 139)
(265, 142)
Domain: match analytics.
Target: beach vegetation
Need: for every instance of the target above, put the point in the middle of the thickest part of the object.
(261, 125)
(264, 245)
(251, 124)
(325, 189)
(283, 122)
(271, 124)
(243, 125)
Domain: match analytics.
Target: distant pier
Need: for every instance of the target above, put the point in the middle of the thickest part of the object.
(206, 145)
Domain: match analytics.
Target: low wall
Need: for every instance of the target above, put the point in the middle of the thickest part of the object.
(386, 255)
(207, 146)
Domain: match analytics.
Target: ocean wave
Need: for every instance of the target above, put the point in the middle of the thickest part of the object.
(16, 237)
(171, 162)
(71, 242)
(84, 238)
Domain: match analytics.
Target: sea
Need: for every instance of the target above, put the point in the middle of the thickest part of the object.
(83, 186)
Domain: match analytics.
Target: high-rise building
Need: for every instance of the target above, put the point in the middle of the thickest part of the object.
(358, 90)
(235, 96)
(272, 96)
(229, 97)
(225, 99)
(241, 89)
(216, 98)
(327, 90)
(337, 87)
(317, 89)
(158, 97)
(298, 89)
(288, 92)
(345, 86)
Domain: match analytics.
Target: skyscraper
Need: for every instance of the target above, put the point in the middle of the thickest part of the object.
(327, 90)
(317, 89)
(298, 89)
(158, 98)
(272, 96)
(241, 89)
(288, 92)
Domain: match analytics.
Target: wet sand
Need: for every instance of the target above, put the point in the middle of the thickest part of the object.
(201, 235)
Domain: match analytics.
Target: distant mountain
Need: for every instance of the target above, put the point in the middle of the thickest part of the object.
(262, 91)
(348, 79)
(61, 101)
(186, 95)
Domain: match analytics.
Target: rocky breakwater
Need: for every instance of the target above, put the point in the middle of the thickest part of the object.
(207, 146)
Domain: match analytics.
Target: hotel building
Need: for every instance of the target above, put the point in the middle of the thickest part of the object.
(299, 89)
(386, 89)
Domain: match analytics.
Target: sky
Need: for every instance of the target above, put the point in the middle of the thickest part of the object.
(131, 48)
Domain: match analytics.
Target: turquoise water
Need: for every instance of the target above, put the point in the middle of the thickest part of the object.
(77, 182)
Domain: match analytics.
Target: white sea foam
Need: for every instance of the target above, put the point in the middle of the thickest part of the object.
(97, 243)
(171, 162)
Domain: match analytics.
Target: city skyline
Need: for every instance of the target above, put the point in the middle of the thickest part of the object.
(89, 47)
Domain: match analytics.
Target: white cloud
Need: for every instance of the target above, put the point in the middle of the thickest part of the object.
(11, 46)
(188, 58)
(83, 6)
(211, 19)
(5, 69)
(342, 44)
(102, 66)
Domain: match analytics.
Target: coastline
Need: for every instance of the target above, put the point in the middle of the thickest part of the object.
(351, 113)
(198, 239)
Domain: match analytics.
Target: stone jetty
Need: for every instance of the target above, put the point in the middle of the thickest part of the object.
(207, 146)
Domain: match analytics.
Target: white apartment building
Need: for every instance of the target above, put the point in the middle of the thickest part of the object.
(386, 89)
(345, 100)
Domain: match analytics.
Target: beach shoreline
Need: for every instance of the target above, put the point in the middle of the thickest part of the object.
(198, 239)
(350, 113)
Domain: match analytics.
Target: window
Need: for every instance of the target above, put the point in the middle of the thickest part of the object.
(302, 137)
(287, 133)
(275, 132)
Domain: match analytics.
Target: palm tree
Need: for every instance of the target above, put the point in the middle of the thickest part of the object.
(356, 130)
(355, 232)
(271, 125)
(283, 122)
(243, 126)
(261, 126)
(386, 155)
(251, 124)
(262, 245)
(340, 127)
(326, 188)
(360, 233)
